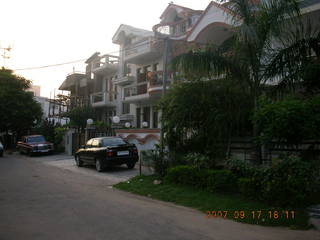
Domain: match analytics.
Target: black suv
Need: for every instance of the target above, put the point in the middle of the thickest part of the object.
(107, 151)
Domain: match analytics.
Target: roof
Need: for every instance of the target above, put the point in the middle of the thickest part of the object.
(130, 31)
(170, 5)
(222, 7)
(93, 56)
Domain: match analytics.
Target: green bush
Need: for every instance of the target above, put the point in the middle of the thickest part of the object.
(242, 169)
(211, 180)
(289, 182)
(221, 180)
(199, 160)
(184, 175)
(247, 187)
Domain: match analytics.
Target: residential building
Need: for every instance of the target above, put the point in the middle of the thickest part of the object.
(52, 110)
(35, 89)
(130, 85)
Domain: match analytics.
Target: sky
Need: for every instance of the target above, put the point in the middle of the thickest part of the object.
(47, 32)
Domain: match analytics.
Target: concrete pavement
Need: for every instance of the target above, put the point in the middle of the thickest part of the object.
(41, 201)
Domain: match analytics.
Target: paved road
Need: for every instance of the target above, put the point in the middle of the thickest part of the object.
(39, 200)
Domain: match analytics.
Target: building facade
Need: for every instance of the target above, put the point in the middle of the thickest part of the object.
(130, 85)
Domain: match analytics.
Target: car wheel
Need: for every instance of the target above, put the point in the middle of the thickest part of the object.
(99, 166)
(1, 154)
(131, 165)
(79, 163)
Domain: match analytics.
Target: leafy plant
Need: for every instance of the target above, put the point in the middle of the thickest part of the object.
(289, 182)
(211, 180)
(79, 116)
(19, 112)
(289, 121)
(203, 116)
(199, 161)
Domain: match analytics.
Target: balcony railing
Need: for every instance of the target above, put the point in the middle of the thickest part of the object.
(173, 29)
(140, 88)
(154, 83)
(97, 97)
(155, 78)
(104, 62)
(140, 52)
(124, 80)
(102, 98)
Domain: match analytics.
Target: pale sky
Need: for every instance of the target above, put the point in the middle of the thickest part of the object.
(43, 32)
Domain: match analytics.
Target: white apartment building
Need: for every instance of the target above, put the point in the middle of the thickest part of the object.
(130, 85)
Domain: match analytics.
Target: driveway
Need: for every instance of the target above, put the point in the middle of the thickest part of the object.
(111, 176)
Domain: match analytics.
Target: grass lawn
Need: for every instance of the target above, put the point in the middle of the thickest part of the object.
(217, 204)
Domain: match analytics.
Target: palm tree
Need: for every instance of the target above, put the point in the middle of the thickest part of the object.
(258, 52)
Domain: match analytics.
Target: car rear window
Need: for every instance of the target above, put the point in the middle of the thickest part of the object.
(112, 142)
(35, 139)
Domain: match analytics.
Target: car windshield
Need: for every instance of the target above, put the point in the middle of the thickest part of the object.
(112, 142)
(35, 139)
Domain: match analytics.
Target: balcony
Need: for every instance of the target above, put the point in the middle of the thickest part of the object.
(124, 80)
(102, 99)
(136, 93)
(142, 51)
(105, 64)
(126, 117)
(147, 91)
(176, 30)
(73, 79)
(155, 80)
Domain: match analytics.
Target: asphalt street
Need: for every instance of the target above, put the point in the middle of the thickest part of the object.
(50, 198)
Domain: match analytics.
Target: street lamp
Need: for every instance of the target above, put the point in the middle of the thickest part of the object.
(116, 119)
(89, 121)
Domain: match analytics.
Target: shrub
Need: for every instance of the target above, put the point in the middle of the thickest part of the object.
(221, 180)
(289, 182)
(199, 160)
(211, 180)
(242, 169)
(247, 187)
(159, 161)
(185, 175)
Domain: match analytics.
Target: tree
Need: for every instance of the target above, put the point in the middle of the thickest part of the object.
(290, 121)
(79, 116)
(258, 52)
(203, 116)
(18, 110)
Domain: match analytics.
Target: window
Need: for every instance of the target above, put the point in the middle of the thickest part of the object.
(88, 144)
(155, 67)
(128, 70)
(146, 68)
(189, 22)
(112, 142)
(155, 120)
(146, 115)
(125, 108)
(115, 92)
(35, 139)
(95, 143)
(183, 28)
(138, 112)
